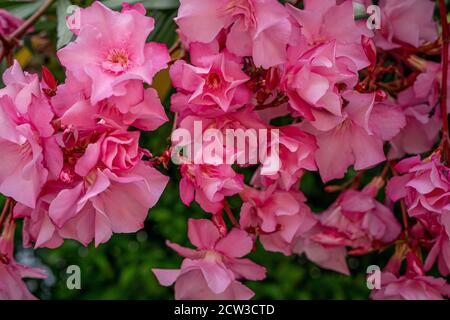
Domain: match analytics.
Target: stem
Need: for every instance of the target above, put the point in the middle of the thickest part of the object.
(175, 46)
(9, 42)
(230, 214)
(386, 170)
(31, 20)
(404, 217)
(175, 120)
(275, 103)
(402, 205)
(445, 44)
(5, 211)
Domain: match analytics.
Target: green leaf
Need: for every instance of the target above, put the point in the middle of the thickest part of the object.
(148, 4)
(359, 11)
(64, 34)
(24, 10)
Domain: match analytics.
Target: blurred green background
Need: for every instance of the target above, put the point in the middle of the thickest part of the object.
(120, 269)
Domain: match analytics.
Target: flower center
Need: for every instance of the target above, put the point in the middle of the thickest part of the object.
(213, 81)
(212, 256)
(117, 60)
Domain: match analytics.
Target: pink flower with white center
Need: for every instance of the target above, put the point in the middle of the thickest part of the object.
(424, 185)
(358, 137)
(311, 81)
(209, 185)
(322, 21)
(12, 273)
(360, 220)
(215, 81)
(212, 270)
(274, 215)
(257, 28)
(111, 50)
(406, 22)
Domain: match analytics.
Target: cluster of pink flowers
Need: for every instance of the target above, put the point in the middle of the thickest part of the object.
(254, 61)
(353, 97)
(69, 157)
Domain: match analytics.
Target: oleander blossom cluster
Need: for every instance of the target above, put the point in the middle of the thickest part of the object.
(357, 111)
(254, 62)
(70, 153)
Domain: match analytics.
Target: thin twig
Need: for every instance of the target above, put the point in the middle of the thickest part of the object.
(404, 217)
(10, 41)
(31, 21)
(5, 212)
(230, 214)
(402, 205)
(445, 44)
(175, 46)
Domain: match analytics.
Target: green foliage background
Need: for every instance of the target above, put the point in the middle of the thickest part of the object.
(120, 269)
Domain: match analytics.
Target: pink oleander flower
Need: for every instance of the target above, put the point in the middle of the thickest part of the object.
(413, 284)
(407, 22)
(214, 269)
(214, 82)
(29, 154)
(8, 22)
(323, 21)
(39, 231)
(117, 151)
(209, 185)
(140, 108)
(206, 176)
(421, 130)
(331, 257)
(296, 154)
(274, 215)
(425, 188)
(257, 28)
(359, 221)
(104, 187)
(358, 137)
(411, 288)
(429, 225)
(311, 80)
(12, 273)
(110, 51)
(424, 185)
(105, 202)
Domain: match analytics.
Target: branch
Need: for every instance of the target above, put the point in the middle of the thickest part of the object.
(5, 211)
(230, 214)
(9, 42)
(30, 21)
(445, 44)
